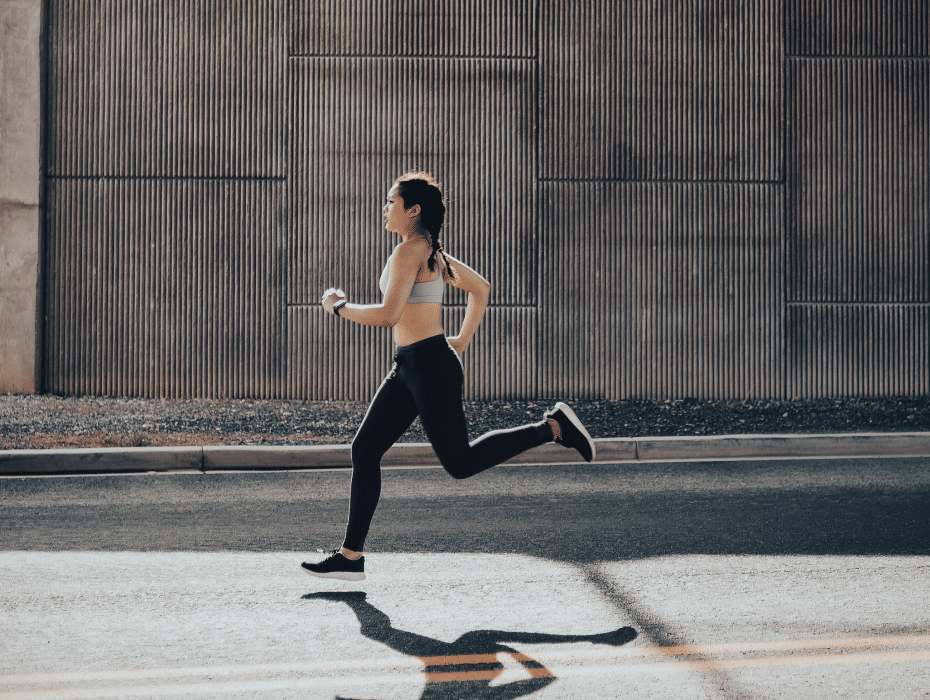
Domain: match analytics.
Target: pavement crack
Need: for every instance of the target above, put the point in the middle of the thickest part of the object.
(649, 626)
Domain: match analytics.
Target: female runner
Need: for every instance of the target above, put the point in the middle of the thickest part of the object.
(426, 379)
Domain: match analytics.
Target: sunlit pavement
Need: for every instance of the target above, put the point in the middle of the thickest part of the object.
(730, 607)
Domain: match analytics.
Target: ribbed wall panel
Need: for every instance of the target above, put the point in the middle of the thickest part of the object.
(857, 27)
(501, 361)
(174, 88)
(359, 123)
(332, 359)
(859, 180)
(663, 290)
(859, 350)
(489, 28)
(641, 280)
(658, 91)
(165, 288)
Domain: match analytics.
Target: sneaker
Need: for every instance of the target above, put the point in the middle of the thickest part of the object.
(573, 432)
(339, 566)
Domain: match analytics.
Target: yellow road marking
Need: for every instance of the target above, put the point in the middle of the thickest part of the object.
(504, 676)
(423, 675)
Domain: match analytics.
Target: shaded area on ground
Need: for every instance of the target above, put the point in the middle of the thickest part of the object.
(45, 421)
(443, 660)
(573, 513)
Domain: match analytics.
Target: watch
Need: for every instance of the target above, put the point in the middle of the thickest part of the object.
(338, 305)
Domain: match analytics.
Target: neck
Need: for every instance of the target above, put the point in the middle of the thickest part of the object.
(415, 233)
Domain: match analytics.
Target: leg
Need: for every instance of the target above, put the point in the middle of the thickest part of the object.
(391, 412)
(436, 384)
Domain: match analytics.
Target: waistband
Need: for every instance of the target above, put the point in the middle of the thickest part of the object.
(439, 339)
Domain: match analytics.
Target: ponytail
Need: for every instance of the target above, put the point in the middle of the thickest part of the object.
(416, 187)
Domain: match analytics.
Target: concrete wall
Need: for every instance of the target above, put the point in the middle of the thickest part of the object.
(20, 193)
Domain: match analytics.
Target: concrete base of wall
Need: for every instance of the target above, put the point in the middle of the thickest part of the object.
(20, 188)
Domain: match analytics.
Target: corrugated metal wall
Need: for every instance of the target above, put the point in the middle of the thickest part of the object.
(661, 205)
(165, 198)
(858, 211)
(647, 91)
(621, 171)
(674, 293)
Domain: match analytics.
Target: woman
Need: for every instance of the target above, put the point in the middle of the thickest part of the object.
(426, 379)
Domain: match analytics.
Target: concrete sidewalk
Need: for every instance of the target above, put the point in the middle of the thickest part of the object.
(220, 458)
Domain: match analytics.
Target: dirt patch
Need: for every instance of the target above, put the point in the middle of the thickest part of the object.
(47, 421)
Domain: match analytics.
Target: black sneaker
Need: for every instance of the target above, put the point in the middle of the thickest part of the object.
(573, 432)
(339, 566)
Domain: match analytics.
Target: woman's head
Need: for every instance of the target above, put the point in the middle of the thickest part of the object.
(421, 196)
(419, 188)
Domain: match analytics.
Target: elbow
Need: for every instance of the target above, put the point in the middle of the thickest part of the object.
(390, 319)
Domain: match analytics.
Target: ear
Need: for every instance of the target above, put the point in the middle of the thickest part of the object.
(414, 211)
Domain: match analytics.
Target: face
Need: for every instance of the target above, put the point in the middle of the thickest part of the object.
(395, 217)
(392, 210)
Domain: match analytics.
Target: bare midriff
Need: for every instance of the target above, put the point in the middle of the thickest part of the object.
(418, 322)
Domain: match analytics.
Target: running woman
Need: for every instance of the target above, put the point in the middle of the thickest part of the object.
(426, 379)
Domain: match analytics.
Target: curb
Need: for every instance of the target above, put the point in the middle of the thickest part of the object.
(223, 458)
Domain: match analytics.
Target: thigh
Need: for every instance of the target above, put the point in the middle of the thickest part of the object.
(389, 414)
(438, 395)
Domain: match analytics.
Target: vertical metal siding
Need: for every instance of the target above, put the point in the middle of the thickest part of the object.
(861, 350)
(329, 359)
(164, 279)
(858, 185)
(360, 123)
(486, 28)
(501, 361)
(858, 213)
(666, 290)
(183, 88)
(165, 288)
(647, 91)
(857, 27)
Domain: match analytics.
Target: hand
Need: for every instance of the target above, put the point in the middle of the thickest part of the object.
(330, 297)
(458, 344)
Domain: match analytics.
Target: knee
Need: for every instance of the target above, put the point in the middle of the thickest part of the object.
(363, 455)
(456, 468)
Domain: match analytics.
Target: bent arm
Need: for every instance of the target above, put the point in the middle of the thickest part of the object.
(404, 267)
(479, 291)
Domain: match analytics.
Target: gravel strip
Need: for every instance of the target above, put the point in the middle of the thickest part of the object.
(46, 421)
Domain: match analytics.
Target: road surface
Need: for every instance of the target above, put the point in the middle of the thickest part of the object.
(767, 579)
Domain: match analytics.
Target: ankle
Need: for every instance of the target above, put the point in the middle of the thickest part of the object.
(349, 554)
(555, 427)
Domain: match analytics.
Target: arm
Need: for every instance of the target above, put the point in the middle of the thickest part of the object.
(479, 291)
(404, 267)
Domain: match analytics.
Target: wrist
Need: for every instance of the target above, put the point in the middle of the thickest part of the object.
(338, 306)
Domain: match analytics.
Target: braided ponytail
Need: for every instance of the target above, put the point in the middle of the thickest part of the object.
(437, 248)
(416, 187)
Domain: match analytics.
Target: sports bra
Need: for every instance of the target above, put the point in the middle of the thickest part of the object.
(422, 292)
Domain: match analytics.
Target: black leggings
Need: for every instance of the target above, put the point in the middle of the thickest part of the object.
(426, 380)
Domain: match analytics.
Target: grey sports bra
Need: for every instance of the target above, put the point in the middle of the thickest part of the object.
(422, 293)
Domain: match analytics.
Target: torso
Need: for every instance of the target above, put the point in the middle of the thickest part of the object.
(421, 321)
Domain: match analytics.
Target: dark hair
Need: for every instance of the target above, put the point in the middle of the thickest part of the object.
(416, 187)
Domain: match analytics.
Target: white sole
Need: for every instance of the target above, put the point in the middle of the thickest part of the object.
(338, 575)
(570, 414)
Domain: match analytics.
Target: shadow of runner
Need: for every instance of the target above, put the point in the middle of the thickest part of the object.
(451, 678)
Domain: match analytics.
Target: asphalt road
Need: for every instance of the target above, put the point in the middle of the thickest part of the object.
(794, 579)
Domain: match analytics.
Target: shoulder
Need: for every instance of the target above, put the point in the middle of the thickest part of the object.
(411, 252)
